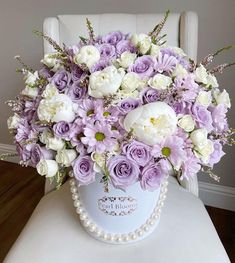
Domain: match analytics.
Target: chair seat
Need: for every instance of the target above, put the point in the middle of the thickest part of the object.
(54, 235)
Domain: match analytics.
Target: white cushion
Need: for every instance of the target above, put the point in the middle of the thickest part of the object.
(54, 235)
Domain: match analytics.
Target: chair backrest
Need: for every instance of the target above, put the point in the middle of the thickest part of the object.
(181, 29)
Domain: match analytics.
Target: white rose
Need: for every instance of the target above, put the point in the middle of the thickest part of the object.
(205, 151)
(151, 123)
(212, 81)
(99, 161)
(105, 82)
(187, 123)
(127, 58)
(131, 81)
(204, 98)
(54, 143)
(45, 135)
(49, 168)
(58, 108)
(66, 156)
(31, 78)
(199, 137)
(52, 62)
(29, 91)
(155, 50)
(88, 55)
(142, 42)
(222, 98)
(179, 71)
(50, 91)
(160, 81)
(201, 75)
(13, 121)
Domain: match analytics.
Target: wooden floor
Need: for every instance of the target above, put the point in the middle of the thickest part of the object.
(21, 190)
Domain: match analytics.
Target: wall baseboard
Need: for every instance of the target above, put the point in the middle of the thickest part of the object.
(211, 194)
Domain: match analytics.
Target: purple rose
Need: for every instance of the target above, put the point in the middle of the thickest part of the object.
(181, 107)
(76, 73)
(149, 95)
(143, 66)
(127, 105)
(63, 129)
(217, 154)
(123, 172)
(125, 45)
(138, 152)
(202, 117)
(151, 177)
(113, 37)
(61, 79)
(76, 92)
(218, 114)
(107, 51)
(23, 152)
(83, 170)
(38, 153)
(100, 65)
(45, 73)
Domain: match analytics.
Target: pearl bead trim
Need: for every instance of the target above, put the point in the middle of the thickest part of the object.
(101, 234)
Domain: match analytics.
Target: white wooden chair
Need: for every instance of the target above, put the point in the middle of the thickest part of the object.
(185, 233)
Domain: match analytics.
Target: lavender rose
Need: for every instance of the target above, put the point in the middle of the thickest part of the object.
(202, 117)
(38, 153)
(123, 172)
(127, 105)
(107, 51)
(113, 37)
(151, 177)
(61, 79)
(83, 170)
(125, 45)
(76, 92)
(143, 66)
(63, 129)
(149, 95)
(138, 152)
(76, 72)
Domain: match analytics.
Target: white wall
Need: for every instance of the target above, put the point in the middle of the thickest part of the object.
(18, 18)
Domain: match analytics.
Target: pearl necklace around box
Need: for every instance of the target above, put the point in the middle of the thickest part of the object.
(118, 217)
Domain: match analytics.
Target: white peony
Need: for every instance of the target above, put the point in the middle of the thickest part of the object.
(58, 108)
(50, 91)
(179, 71)
(131, 81)
(88, 55)
(160, 82)
(54, 143)
(66, 157)
(13, 121)
(49, 168)
(52, 62)
(199, 137)
(222, 98)
(201, 75)
(151, 123)
(31, 78)
(105, 82)
(187, 123)
(142, 42)
(126, 59)
(29, 91)
(204, 98)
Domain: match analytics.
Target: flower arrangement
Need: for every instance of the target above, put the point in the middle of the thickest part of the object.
(126, 106)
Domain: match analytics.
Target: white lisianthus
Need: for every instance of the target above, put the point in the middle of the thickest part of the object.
(49, 168)
(212, 81)
(31, 78)
(45, 135)
(222, 98)
(199, 137)
(58, 108)
(142, 42)
(54, 143)
(66, 157)
(52, 62)
(204, 98)
(201, 75)
(187, 123)
(154, 50)
(160, 82)
(204, 151)
(29, 91)
(13, 121)
(88, 55)
(105, 82)
(131, 81)
(151, 123)
(50, 91)
(99, 161)
(179, 71)
(127, 58)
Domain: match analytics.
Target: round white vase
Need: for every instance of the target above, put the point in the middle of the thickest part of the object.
(116, 216)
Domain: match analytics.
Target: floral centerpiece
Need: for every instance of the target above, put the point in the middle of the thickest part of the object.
(124, 108)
